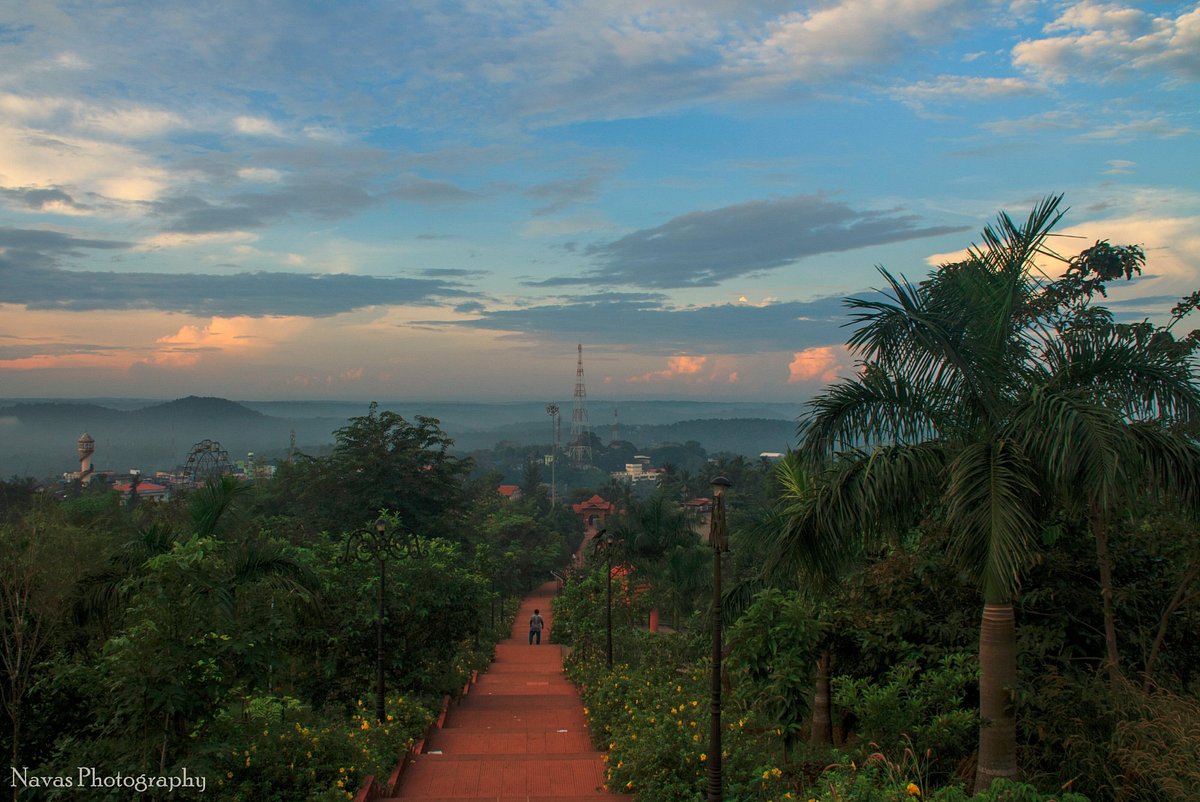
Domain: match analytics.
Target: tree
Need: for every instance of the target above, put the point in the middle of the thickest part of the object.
(967, 404)
(382, 461)
(37, 568)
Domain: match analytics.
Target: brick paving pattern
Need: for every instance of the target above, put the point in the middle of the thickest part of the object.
(519, 735)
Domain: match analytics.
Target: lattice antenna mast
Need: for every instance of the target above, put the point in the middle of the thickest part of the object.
(581, 441)
(555, 435)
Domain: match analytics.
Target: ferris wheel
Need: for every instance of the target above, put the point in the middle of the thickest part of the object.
(206, 460)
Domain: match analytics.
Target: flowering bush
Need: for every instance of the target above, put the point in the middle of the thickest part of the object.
(877, 782)
(653, 722)
(280, 752)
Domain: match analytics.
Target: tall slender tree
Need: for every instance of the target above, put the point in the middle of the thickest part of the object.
(971, 401)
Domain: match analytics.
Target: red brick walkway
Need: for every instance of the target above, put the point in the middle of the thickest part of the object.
(518, 736)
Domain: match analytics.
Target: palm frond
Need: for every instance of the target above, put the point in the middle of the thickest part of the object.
(1171, 462)
(908, 333)
(1011, 247)
(1080, 447)
(991, 498)
(885, 489)
(212, 501)
(875, 407)
(1132, 371)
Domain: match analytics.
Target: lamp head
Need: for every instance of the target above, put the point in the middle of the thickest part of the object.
(719, 485)
(380, 525)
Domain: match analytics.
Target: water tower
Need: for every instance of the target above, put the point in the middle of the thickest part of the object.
(86, 446)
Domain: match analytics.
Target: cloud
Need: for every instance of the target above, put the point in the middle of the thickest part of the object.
(44, 199)
(1117, 125)
(842, 37)
(703, 249)
(81, 165)
(31, 276)
(328, 199)
(220, 335)
(824, 364)
(956, 89)
(646, 323)
(687, 369)
(420, 190)
(559, 194)
(1104, 41)
(257, 126)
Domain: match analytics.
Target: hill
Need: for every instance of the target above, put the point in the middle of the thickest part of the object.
(38, 438)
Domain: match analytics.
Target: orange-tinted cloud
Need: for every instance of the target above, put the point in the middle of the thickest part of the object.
(688, 370)
(223, 335)
(114, 361)
(677, 366)
(820, 364)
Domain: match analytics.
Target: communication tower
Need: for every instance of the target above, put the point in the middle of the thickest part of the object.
(581, 439)
(615, 437)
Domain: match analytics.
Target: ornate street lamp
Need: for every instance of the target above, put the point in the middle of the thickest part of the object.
(376, 546)
(718, 538)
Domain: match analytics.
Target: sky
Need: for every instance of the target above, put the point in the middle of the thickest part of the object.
(271, 199)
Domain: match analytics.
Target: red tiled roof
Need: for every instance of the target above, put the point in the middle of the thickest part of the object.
(143, 487)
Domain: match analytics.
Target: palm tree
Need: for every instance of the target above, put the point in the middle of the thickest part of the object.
(971, 401)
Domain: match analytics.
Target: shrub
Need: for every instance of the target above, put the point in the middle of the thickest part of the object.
(280, 752)
(917, 716)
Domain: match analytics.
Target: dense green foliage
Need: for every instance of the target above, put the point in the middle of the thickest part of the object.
(231, 632)
(1007, 440)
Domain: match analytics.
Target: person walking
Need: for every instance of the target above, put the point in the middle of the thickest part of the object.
(535, 627)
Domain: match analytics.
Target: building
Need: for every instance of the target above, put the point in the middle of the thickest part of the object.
(594, 512)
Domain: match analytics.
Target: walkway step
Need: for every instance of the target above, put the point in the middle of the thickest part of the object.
(488, 777)
(512, 742)
(519, 735)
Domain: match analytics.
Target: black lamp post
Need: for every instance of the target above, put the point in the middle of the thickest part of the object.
(718, 538)
(376, 546)
(608, 547)
(605, 541)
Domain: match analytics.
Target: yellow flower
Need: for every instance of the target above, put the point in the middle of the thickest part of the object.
(703, 757)
(913, 789)
(775, 772)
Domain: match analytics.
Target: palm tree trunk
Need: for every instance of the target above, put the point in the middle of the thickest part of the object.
(822, 719)
(1104, 563)
(997, 680)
